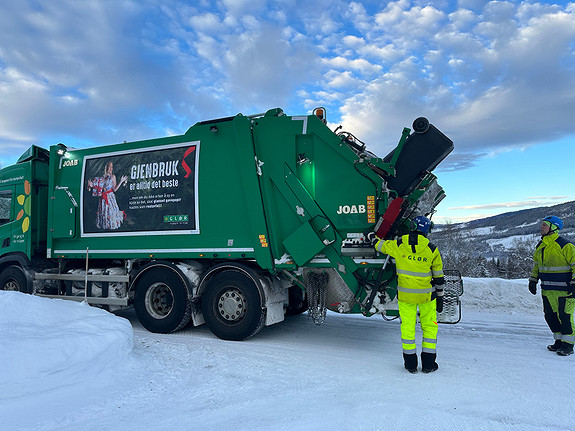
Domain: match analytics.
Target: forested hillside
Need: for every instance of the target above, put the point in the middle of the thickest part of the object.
(498, 246)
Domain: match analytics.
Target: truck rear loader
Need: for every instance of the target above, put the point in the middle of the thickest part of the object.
(235, 223)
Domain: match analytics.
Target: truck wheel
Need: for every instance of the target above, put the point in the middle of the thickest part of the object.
(161, 301)
(232, 306)
(12, 278)
(297, 301)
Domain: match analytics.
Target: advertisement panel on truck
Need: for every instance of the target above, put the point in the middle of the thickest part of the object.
(141, 192)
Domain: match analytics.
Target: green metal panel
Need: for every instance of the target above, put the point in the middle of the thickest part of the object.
(64, 210)
(219, 214)
(303, 244)
(313, 195)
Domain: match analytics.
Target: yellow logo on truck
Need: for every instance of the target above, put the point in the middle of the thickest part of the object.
(25, 201)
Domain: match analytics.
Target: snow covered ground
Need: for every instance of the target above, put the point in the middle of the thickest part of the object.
(67, 366)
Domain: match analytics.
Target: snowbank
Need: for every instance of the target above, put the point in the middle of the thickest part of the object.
(495, 295)
(70, 367)
(52, 342)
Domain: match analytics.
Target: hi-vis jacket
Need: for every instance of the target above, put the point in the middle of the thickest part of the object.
(554, 263)
(417, 262)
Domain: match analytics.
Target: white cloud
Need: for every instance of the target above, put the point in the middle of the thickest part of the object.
(208, 22)
(485, 84)
(491, 75)
(342, 80)
(243, 7)
(353, 41)
(360, 65)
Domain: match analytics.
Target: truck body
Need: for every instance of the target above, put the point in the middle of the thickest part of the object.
(235, 223)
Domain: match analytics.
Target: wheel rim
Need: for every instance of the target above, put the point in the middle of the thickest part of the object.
(12, 285)
(232, 305)
(159, 300)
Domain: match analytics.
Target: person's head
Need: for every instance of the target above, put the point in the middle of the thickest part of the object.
(109, 168)
(550, 225)
(422, 224)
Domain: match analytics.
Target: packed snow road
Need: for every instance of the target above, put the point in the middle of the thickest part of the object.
(495, 374)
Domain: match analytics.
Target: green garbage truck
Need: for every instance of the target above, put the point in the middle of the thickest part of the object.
(236, 223)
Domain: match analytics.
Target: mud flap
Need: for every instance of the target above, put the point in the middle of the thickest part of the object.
(452, 290)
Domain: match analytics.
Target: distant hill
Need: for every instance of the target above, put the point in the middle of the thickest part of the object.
(506, 239)
(505, 228)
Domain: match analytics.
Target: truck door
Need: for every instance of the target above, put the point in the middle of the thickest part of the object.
(63, 213)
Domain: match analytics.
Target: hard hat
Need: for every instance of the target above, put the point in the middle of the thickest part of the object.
(556, 221)
(422, 224)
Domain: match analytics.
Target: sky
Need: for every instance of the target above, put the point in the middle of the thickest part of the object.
(70, 367)
(497, 77)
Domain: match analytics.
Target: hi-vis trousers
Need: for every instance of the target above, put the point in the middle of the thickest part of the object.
(428, 321)
(558, 307)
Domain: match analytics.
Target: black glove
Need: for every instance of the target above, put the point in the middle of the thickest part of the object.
(372, 238)
(439, 304)
(533, 287)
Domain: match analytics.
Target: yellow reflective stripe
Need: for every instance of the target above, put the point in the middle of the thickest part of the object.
(438, 273)
(554, 283)
(430, 340)
(413, 273)
(408, 346)
(554, 268)
(428, 350)
(414, 289)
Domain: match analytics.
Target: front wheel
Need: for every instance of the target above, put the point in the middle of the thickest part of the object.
(162, 304)
(232, 306)
(13, 278)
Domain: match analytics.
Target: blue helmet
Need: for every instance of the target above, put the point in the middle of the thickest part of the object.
(422, 224)
(555, 221)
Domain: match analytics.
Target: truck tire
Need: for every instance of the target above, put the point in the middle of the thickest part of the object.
(12, 278)
(297, 301)
(162, 303)
(232, 306)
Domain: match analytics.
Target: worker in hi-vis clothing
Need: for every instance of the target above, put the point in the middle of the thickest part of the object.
(419, 285)
(554, 265)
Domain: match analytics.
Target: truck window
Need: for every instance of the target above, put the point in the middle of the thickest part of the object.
(5, 206)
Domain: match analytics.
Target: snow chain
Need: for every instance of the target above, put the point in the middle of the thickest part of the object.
(316, 288)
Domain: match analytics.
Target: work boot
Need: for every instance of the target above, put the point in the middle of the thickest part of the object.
(566, 349)
(428, 364)
(410, 362)
(555, 346)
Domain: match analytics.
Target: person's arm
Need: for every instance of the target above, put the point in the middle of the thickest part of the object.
(117, 186)
(534, 277)
(438, 280)
(569, 253)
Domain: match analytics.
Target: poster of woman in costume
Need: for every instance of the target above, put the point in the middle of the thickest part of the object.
(158, 193)
(109, 216)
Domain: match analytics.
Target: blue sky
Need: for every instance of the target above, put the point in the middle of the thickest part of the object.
(498, 77)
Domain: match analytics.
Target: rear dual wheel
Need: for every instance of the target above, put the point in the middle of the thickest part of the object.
(232, 306)
(162, 303)
(297, 301)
